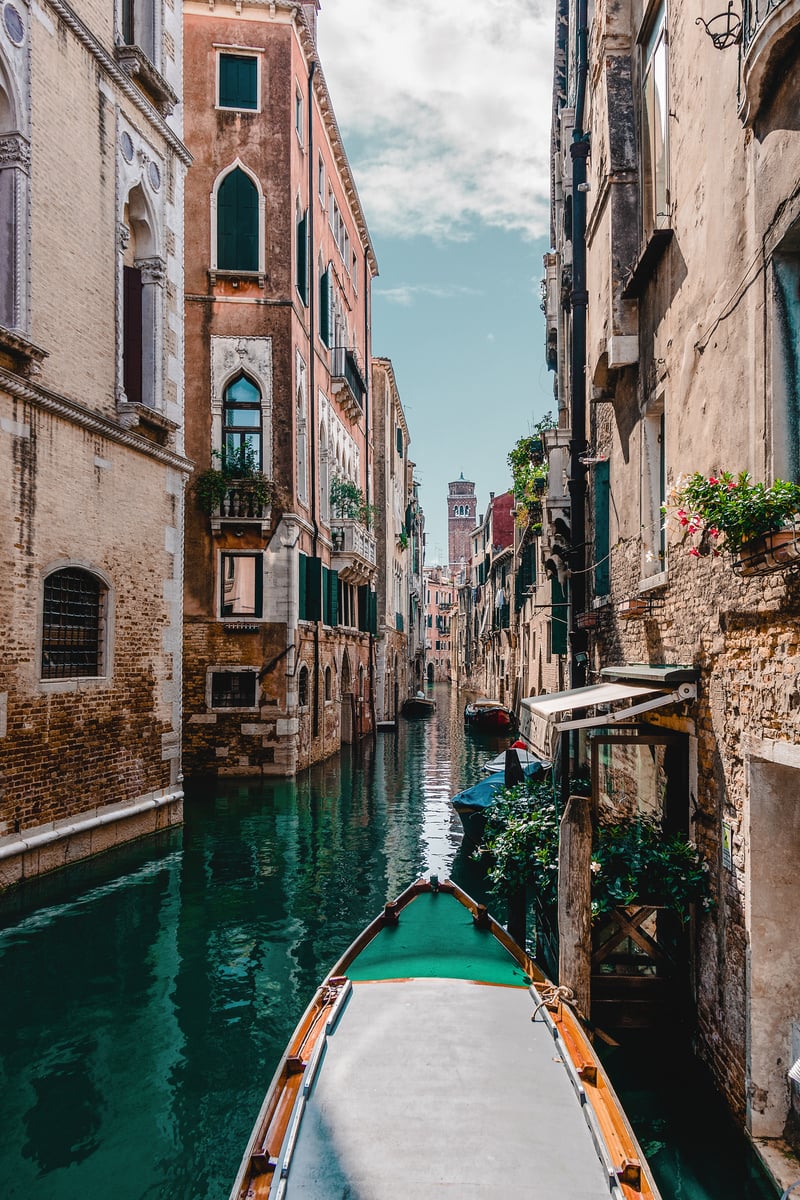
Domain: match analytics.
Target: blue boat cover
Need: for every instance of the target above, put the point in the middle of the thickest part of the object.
(482, 794)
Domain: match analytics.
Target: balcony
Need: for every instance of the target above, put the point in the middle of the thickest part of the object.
(347, 381)
(354, 552)
(770, 36)
(243, 503)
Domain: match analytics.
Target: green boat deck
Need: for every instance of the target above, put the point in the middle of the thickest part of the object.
(436, 938)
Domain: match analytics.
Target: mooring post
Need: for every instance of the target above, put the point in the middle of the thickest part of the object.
(574, 901)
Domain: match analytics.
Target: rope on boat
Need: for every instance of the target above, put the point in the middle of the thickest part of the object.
(557, 994)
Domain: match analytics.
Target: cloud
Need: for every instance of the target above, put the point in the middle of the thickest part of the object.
(448, 109)
(407, 293)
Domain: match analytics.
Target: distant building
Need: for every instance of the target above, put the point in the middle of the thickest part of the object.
(92, 167)
(440, 598)
(462, 511)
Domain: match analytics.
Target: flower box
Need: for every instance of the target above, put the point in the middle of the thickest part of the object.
(769, 553)
(587, 620)
(634, 609)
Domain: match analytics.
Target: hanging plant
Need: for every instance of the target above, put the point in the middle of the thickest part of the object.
(211, 487)
(726, 512)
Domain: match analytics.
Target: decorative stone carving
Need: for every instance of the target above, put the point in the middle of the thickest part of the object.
(124, 236)
(154, 270)
(15, 151)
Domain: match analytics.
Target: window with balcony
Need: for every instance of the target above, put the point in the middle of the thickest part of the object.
(238, 208)
(242, 579)
(139, 26)
(237, 81)
(74, 634)
(241, 425)
(655, 126)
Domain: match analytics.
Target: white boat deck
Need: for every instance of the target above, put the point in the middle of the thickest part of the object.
(437, 1088)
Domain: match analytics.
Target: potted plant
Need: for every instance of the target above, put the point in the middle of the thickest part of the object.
(216, 486)
(755, 523)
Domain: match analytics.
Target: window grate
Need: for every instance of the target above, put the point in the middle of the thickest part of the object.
(71, 641)
(233, 689)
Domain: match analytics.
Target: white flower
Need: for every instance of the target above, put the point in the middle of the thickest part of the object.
(595, 867)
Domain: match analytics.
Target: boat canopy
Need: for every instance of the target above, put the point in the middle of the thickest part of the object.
(542, 718)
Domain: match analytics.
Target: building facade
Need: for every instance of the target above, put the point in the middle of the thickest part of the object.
(394, 529)
(280, 610)
(92, 167)
(440, 598)
(672, 315)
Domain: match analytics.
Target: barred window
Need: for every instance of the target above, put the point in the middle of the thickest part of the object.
(233, 689)
(72, 624)
(302, 687)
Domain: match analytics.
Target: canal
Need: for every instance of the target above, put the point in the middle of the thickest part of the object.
(146, 997)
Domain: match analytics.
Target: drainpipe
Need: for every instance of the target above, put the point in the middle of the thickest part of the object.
(579, 151)
(312, 405)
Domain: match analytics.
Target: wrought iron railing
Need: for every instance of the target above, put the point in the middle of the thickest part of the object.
(345, 365)
(754, 14)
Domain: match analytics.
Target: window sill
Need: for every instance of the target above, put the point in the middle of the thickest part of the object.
(651, 582)
(151, 421)
(76, 683)
(19, 355)
(137, 65)
(235, 711)
(244, 112)
(219, 274)
(649, 257)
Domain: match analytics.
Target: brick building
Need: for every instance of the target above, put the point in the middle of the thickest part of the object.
(686, 360)
(92, 471)
(462, 514)
(280, 606)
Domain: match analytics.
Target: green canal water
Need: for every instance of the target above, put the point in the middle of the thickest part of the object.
(145, 998)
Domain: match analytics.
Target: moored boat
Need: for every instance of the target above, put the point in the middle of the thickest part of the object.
(405, 1079)
(473, 803)
(497, 765)
(418, 705)
(489, 716)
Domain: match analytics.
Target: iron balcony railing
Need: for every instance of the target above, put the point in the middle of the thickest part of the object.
(346, 367)
(754, 14)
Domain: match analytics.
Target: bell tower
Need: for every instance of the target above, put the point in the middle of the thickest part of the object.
(462, 509)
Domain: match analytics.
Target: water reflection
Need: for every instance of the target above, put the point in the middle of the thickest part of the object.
(145, 998)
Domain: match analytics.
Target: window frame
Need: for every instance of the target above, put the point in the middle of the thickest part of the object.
(237, 52)
(238, 272)
(299, 115)
(242, 431)
(106, 628)
(258, 598)
(653, 462)
(227, 669)
(653, 37)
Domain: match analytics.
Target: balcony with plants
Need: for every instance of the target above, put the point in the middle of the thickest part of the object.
(770, 37)
(354, 547)
(235, 491)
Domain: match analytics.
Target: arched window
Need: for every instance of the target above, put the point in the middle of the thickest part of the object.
(73, 624)
(241, 426)
(14, 197)
(302, 445)
(328, 684)
(238, 220)
(302, 687)
(324, 475)
(143, 278)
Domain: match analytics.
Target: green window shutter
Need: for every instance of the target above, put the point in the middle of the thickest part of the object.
(238, 81)
(333, 597)
(325, 306)
(301, 590)
(363, 608)
(373, 613)
(314, 589)
(302, 257)
(558, 598)
(326, 596)
(237, 223)
(602, 496)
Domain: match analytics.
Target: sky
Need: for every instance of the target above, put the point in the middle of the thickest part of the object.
(444, 106)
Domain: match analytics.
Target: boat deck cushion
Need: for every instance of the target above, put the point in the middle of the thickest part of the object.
(437, 937)
(442, 1087)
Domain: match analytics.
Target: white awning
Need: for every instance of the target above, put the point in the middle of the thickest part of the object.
(542, 717)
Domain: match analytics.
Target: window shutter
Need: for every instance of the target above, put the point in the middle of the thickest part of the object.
(363, 608)
(314, 589)
(333, 597)
(558, 599)
(237, 223)
(302, 257)
(302, 587)
(373, 613)
(602, 571)
(238, 81)
(132, 333)
(325, 306)
(326, 596)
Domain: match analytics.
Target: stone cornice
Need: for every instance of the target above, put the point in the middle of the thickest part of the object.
(69, 410)
(88, 40)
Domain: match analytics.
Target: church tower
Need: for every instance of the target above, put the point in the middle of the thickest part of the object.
(462, 510)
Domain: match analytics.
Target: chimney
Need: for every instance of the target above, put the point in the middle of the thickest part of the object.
(310, 9)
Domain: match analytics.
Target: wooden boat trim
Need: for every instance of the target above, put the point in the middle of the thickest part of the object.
(269, 1151)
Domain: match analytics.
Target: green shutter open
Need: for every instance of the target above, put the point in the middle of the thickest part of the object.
(333, 597)
(326, 597)
(602, 498)
(301, 589)
(314, 589)
(325, 306)
(302, 257)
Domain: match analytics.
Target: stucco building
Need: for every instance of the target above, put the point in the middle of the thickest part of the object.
(672, 316)
(440, 599)
(280, 607)
(92, 471)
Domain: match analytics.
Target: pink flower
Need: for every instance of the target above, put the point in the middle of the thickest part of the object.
(713, 479)
(695, 553)
(731, 484)
(713, 532)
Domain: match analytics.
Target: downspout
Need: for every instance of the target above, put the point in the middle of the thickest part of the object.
(367, 380)
(312, 405)
(579, 151)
